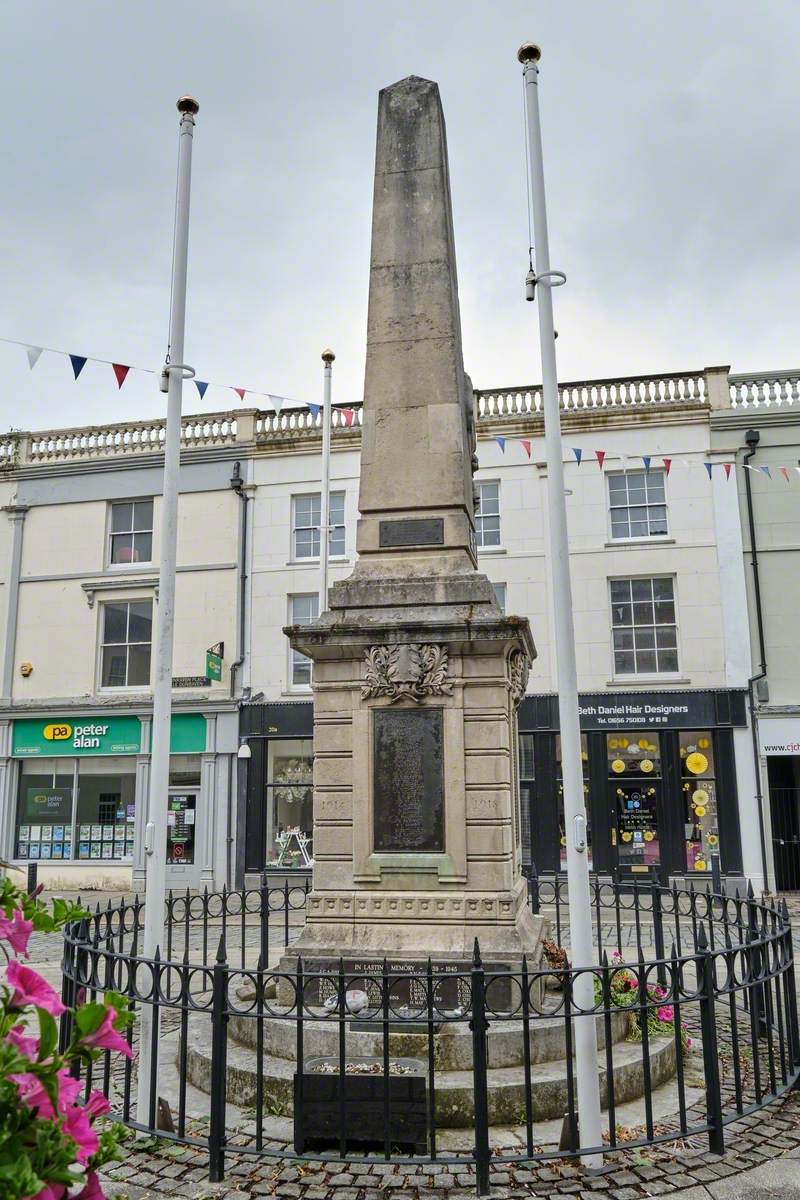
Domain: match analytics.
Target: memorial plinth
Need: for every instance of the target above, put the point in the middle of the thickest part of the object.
(417, 672)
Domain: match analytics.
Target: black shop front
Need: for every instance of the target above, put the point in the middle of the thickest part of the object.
(659, 779)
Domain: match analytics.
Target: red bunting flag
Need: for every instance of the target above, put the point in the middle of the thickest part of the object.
(784, 472)
(667, 464)
(526, 445)
(348, 415)
(240, 392)
(121, 373)
(727, 469)
(600, 456)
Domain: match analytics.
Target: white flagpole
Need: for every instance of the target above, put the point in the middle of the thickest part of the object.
(580, 912)
(155, 837)
(325, 500)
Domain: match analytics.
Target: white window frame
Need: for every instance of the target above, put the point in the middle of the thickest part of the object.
(294, 655)
(651, 673)
(110, 534)
(101, 644)
(294, 555)
(637, 537)
(501, 590)
(494, 546)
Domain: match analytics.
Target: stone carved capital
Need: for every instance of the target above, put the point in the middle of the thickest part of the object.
(518, 670)
(409, 671)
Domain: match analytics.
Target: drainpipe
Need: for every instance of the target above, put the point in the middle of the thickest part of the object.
(237, 483)
(752, 438)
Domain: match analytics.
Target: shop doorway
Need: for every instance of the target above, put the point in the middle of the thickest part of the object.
(783, 773)
(181, 829)
(635, 802)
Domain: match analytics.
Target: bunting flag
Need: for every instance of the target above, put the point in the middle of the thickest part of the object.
(349, 415)
(526, 445)
(646, 459)
(784, 473)
(78, 363)
(121, 373)
(314, 410)
(600, 455)
(667, 464)
(766, 470)
(576, 450)
(501, 441)
(201, 387)
(709, 467)
(240, 392)
(34, 354)
(277, 403)
(727, 469)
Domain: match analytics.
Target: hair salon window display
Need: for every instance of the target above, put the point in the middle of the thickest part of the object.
(634, 764)
(53, 1140)
(699, 793)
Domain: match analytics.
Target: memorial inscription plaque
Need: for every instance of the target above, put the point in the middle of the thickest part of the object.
(408, 781)
(415, 531)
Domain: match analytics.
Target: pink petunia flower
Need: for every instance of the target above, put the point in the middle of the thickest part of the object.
(28, 987)
(92, 1190)
(107, 1037)
(33, 1095)
(29, 1046)
(76, 1125)
(50, 1191)
(97, 1105)
(16, 930)
(666, 1013)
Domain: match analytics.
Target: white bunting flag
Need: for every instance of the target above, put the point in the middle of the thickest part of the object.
(34, 354)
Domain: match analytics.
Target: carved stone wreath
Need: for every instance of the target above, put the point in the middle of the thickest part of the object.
(409, 671)
(518, 669)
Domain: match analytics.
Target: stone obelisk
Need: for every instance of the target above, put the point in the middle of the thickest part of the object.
(417, 672)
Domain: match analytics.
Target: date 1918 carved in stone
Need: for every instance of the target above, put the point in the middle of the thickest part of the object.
(406, 672)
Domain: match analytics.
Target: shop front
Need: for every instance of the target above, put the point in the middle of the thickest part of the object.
(276, 791)
(779, 743)
(659, 780)
(81, 794)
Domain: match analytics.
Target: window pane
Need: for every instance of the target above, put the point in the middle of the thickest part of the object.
(639, 527)
(645, 660)
(655, 486)
(500, 594)
(304, 609)
(619, 523)
(121, 517)
(658, 520)
(140, 625)
(641, 589)
(489, 498)
(617, 488)
(114, 663)
(143, 515)
(662, 588)
(115, 622)
(643, 614)
(337, 508)
(623, 662)
(636, 491)
(337, 545)
(666, 638)
(490, 531)
(623, 639)
(526, 755)
(665, 612)
(621, 614)
(306, 510)
(122, 548)
(142, 547)
(306, 544)
(620, 590)
(668, 660)
(139, 666)
(301, 668)
(645, 639)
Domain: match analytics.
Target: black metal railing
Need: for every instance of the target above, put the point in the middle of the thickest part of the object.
(694, 1005)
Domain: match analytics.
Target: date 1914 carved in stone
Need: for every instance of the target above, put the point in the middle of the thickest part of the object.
(406, 672)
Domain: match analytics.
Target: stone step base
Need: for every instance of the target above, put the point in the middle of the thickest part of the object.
(453, 1042)
(454, 1089)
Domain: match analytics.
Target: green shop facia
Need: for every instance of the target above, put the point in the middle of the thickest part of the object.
(76, 794)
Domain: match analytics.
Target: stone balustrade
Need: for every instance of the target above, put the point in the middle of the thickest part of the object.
(712, 388)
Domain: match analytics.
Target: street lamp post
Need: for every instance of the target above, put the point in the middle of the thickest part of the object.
(325, 500)
(544, 279)
(155, 835)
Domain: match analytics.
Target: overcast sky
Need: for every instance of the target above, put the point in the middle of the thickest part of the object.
(671, 155)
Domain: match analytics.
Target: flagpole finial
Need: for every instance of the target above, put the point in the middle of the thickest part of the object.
(188, 104)
(529, 52)
(328, 356)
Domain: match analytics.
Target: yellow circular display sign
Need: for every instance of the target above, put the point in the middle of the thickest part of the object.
(700, 796)
(703, 743)
(700, 810)
(626, 837)
(696, 763)
(712, 839)
(648, 835)
(563, 841)
(699, 864)
(646, 765)
(618, 766)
